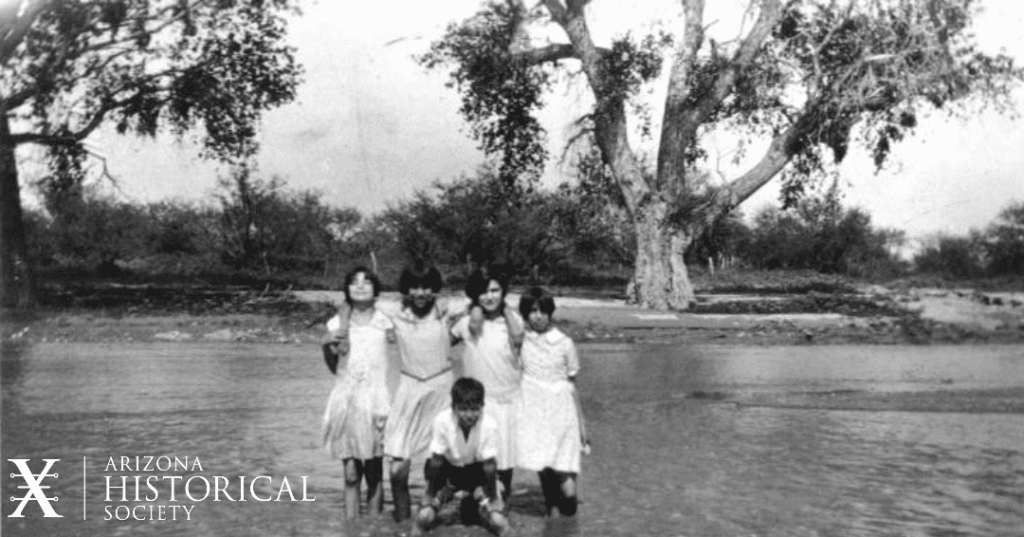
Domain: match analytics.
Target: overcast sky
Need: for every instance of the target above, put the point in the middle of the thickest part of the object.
(370, 126)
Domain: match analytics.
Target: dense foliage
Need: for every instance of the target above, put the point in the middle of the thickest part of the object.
(996, 251)
(263, 230)
(67, 67)
(804, 79)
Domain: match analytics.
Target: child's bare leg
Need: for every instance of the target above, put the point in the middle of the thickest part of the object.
(373, 469)
(567, 484)
(426, 516)
(505, 476)
(353, 477)
(400, 488)
(549, 486)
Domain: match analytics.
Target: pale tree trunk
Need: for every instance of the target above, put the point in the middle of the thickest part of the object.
(17, 284)
(660, 279)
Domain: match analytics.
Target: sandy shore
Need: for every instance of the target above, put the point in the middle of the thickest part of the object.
(919, 316)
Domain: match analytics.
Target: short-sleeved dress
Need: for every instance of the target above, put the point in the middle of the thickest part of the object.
(425, 383)
(359, 403)
(489, 358)
(548, 428)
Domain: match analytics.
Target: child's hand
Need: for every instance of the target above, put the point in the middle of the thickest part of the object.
(337, 342)
(491, 514)
(488, 506)
(586, 447)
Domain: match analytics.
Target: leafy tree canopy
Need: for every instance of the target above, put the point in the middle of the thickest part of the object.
(805, 77)
(68, 66)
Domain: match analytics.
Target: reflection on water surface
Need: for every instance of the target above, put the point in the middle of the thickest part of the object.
(676, 450)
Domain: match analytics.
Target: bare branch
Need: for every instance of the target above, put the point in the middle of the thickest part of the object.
(775, 158)
(671, 153)
(74, 137)
(771, 11)
(546, 54)
(557, 10)
(611, 132)
(17, 98)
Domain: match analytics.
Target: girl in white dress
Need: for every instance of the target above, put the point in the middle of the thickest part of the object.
(357, 408)
(550, 434)
(490, 356)
(424, 387)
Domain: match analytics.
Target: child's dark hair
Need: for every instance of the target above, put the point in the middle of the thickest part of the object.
(467, 391)
(538, 298)
(420, 274)
(478, 281)
(351, 276)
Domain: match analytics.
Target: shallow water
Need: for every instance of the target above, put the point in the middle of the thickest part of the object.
(677, 449)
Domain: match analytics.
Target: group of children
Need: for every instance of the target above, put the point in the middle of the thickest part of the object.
(515, 405)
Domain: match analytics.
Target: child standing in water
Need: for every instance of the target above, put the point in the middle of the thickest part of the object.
(490, 356)
(550, 436)
(358, 406)
(424, 341)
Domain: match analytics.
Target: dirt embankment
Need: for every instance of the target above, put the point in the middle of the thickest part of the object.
(867, 315)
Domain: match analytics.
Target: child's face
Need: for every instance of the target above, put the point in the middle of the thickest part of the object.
(422, 298)
(491, 298)
(539, 321)
(361, 289)
(467, 415)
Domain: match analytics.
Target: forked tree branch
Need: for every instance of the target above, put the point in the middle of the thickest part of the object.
(610, 127)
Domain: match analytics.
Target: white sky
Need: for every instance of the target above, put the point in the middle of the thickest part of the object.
(370, 126)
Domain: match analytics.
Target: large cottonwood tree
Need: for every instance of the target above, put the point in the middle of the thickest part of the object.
(805, 77)
(143, 66)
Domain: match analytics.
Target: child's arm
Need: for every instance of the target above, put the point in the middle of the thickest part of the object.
(476, 320)
(572, 367)
(435, 482)
(584, 439)
(516, 332)
(335, 341)
(432, 469)
(492, 501)
(455, 333)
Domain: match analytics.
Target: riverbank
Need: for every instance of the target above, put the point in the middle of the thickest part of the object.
(865, 315)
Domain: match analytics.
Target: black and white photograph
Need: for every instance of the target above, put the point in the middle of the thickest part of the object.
(471, 268)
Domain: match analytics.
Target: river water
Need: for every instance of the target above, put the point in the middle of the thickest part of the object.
(694, 441)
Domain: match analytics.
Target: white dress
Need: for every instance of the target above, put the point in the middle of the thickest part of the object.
(424, 386)
(489, 358)
(548, 428)
(353, 424)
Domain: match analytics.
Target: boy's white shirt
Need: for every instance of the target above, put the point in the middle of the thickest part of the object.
(448, 441)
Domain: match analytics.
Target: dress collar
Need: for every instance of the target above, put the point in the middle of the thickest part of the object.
(552, 336)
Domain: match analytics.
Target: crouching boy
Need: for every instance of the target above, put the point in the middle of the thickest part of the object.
(462, 465)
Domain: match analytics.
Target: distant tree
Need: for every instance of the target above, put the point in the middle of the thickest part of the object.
(1004, 241)
(952, 256)
(801, 78)
(99, 232)
(593, 217)
(182, 239)
(265, 226)
(69, 66)
(722, 242)
(818, 233)
(475, 219)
